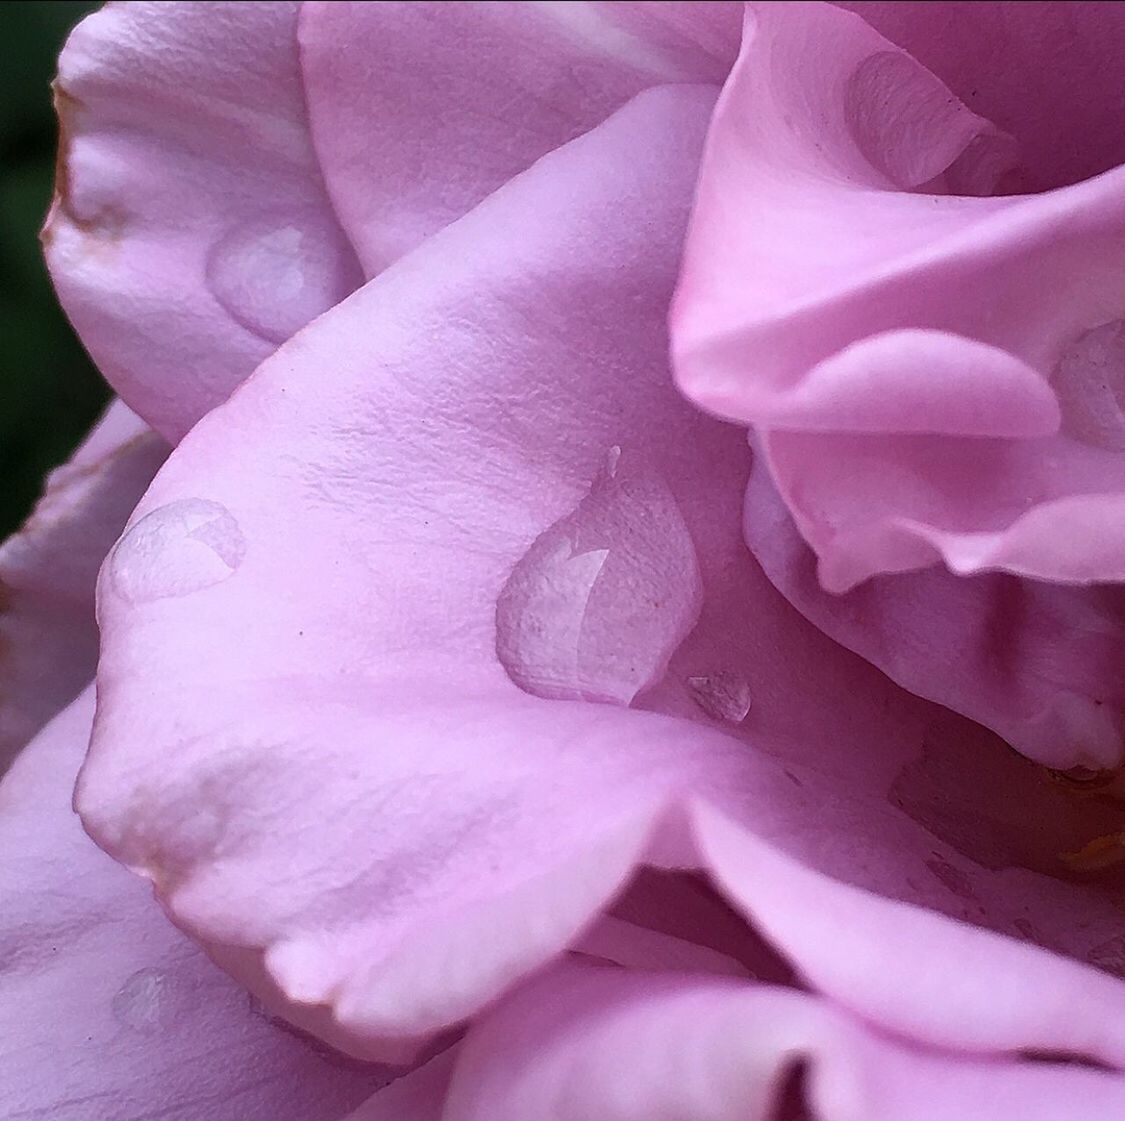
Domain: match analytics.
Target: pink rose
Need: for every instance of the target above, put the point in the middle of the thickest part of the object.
(440, 698)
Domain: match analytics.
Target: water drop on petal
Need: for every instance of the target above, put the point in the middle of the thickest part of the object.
(274, 274)
(150, 999)
(722, 695)
(179, 548)
(1090, 382)
(602, 598)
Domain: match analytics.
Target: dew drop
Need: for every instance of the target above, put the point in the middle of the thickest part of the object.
(722, 695)
(274, 274)
(177, 549)
(1090, 382)
(150, 999)
(602, 598)
(908, 126)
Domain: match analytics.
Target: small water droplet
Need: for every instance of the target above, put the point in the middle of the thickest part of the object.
(1090, 382)
(177, 549)
(722, 695)
(274, 274)
(150, 999)
(602, 598)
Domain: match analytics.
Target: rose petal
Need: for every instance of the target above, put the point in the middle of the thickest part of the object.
(902, 348)
(1048, 75)
(417, 1096)
(357, 790)
(106, 1010)
(48, 640)
(904, 967)
(1055, 693)
(191, 232)
(420, 110)
(586, 1042)
(240, 846)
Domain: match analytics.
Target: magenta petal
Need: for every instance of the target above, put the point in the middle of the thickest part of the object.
(932, 373)
(190, 233)
(420, 110)
(106, 1010)
(585, 1042)
(48, 640)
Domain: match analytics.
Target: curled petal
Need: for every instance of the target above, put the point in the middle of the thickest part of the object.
(372, 782)
(48, 639)
(420, 110)
(190, 232)
(585, 1042)
(932, 370)
(106, 1010)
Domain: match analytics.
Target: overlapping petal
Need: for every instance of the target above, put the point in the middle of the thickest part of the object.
(108, 1011)
(48, 640)
(932, 375)
(420, 110)
(585, 1041)
(191, 232)
(906, 344)
(357, 807)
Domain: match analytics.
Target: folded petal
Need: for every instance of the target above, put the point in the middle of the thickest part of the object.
(48, 638)
(936, 373)
(420, 110)
(1038, 663)
(1050, 74)
(902, 967)
(190, 232)
(585, 1042)
(106, 1010)
(505, 631)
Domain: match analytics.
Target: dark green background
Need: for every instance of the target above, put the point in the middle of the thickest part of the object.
(49, 392)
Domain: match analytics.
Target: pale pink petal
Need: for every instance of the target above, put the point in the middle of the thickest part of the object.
(1039, 663)
(911, 971)
(191, 232)
(357, 790)
(585, 1042)
(420, 110)
(906, 348)
(48, 639)
(365, 789)
(106, 1010)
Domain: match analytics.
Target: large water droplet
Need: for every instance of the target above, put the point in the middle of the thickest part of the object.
(274, 274)
(150, 999)
(602, 598)
(178, 548)
(908, 126)
(1090, 382)
(722, 695)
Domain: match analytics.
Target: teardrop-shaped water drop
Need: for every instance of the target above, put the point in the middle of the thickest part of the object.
(1090, 382)
(602, 598)
(721, 695)
(275, 273)
(151, 999)
(177, 549)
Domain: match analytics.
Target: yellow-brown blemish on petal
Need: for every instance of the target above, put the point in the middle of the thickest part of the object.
(1102, 852)
(103, 227)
